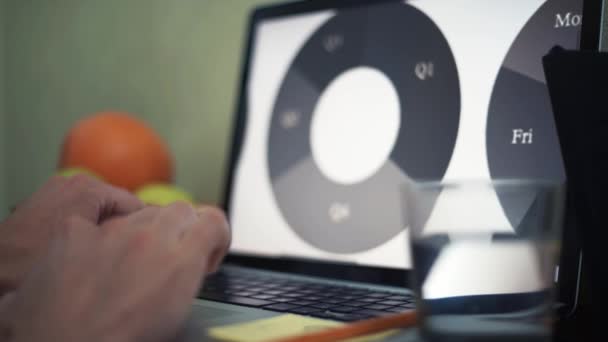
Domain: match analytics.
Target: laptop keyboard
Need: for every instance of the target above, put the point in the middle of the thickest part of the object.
(336, 302)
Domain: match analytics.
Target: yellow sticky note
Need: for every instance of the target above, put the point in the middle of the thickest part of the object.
(278, 327)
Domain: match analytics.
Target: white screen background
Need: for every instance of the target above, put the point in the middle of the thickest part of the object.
(480, 33)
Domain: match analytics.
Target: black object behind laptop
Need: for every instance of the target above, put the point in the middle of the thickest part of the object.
(298, 207)
(578, 83)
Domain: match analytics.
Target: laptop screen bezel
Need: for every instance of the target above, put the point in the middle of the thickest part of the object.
(571, 260)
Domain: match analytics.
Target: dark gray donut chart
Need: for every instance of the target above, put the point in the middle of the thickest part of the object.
(520, 101)
(394, 39)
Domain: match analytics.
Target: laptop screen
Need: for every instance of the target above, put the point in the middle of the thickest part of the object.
(343, 105)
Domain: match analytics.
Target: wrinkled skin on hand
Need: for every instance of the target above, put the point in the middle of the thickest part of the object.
(27, 232)
(129, 278)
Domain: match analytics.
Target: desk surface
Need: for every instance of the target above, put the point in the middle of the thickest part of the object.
(574, 329)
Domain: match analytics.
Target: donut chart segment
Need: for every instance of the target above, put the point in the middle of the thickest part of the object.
(338, 218)
(521, 137)
(408, 47)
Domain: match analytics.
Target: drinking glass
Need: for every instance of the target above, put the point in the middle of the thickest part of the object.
(484, 255)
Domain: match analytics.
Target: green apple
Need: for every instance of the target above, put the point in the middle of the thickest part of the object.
(163, 194)
(73, 171)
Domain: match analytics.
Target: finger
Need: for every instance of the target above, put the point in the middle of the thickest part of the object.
(50, 188)
(131, 234)
(116, 201)
(138, 220)
(77, 228)
(218, 215)
(107, 200)
(55, 183)
(166, 223)
(194, 257)
(53, 186)
(224, 236)
(70, 244)
(177, 218)
(209, 239)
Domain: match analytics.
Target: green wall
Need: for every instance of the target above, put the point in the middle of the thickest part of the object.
(2, 123)
(174, 63)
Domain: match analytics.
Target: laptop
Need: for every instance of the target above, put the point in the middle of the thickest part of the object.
(340, 103)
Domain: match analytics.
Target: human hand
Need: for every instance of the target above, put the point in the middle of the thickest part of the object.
(130, 279)
(27, 231)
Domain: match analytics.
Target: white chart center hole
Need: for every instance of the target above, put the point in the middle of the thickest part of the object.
(355, 125)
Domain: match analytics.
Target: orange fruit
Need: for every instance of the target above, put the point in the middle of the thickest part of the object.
(121, 149)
